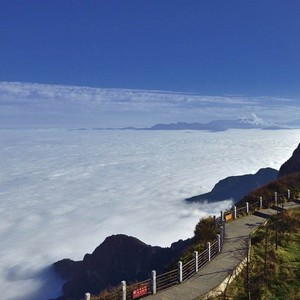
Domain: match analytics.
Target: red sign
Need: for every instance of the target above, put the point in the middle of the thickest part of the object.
(141, 291)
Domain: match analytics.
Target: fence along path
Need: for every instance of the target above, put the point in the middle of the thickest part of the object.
(207, 273)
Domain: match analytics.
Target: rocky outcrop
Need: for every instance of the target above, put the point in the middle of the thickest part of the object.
(119, 257)
(236, 187)
(292, 165)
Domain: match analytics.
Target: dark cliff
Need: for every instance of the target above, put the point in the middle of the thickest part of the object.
(236, 187)
(292, 165)
(118, 258)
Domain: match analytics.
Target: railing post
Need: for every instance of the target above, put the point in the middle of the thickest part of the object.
(289, 195)
(196, 261)
(234, 212)
(222, 217)
(221, 234)
(219, 242)
(153, 282)
(123, 290)
(208, 250)
(179, 271)
(275, 198)
(260, 202)
(87, 296)
(247, 208)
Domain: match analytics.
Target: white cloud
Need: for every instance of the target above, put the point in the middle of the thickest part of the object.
(62, 192)
(256, 119)
(52, 105)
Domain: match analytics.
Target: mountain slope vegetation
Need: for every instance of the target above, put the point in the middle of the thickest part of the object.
(274, 271)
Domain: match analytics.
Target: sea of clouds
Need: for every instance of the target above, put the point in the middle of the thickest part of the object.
(62, 192)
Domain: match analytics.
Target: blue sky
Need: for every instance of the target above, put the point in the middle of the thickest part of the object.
(208, 47)
(101, 63)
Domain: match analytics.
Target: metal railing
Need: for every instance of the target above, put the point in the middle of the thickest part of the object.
(188, 269)
(166, 280)
(214, 250)
(202, 258)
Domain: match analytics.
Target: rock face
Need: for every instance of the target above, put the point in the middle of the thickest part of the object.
(118, 258)
(236, 187)
(292, 165)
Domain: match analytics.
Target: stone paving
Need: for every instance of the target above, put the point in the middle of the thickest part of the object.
(212, 278)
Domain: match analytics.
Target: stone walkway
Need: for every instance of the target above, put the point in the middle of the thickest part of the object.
(212, 278)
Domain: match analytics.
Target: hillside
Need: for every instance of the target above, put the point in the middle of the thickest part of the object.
(288, 178)
(273, 271)
(281, 185)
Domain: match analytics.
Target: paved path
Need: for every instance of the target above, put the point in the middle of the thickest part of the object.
(213, 274)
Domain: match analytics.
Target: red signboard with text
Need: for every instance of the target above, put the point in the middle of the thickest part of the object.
(141, 291)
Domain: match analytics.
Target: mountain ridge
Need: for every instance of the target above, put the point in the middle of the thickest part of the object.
(117, 258)
(252, 122)
(236, 187)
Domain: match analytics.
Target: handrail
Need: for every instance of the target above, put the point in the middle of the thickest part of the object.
(214, 249)
(188, 269)
(202, 258)
(166, 280)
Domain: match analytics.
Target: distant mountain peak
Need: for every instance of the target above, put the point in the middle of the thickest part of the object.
(253, 122)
